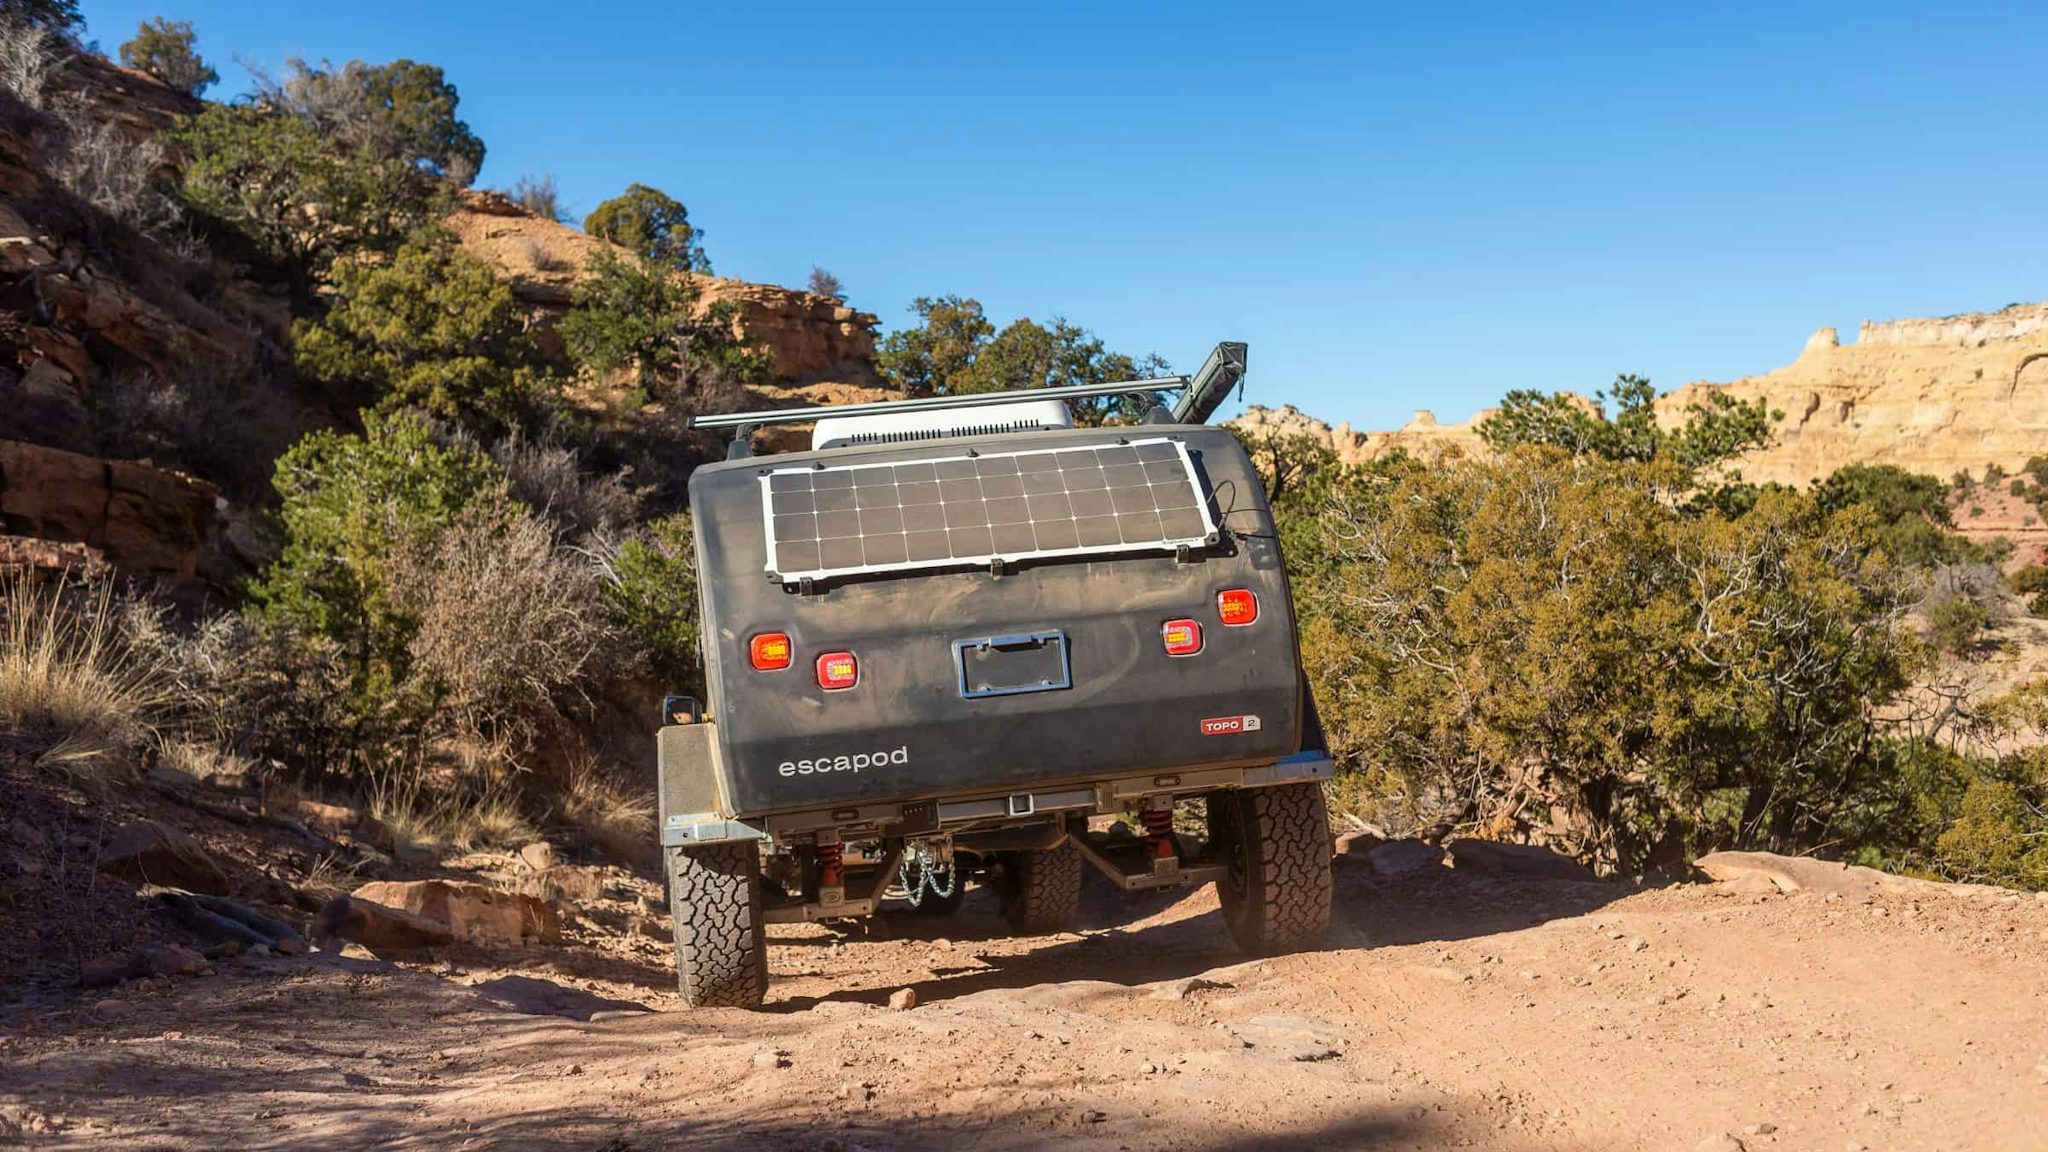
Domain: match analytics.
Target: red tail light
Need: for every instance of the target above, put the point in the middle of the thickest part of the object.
(770, 651)
(838, 670)
(1237, 606)
(1183, 637)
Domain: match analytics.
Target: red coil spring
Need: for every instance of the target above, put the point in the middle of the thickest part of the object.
(1159, 829)
(830, 873)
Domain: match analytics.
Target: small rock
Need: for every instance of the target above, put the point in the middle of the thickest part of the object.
(109, 1009)
(1355, 847)
(357, 1080)
(539, 855)
(647, 927)
(771, 1058)
(1762, 1129)
(330, 818)
(1637, 944)
(903, 1000)
(1094, 1116)
(1722, 1142)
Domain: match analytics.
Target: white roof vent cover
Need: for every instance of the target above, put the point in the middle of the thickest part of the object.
(978, 420)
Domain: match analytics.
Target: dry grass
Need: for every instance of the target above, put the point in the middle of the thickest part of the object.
(69, 679)
(618, 822)
(206, 763)
(329, 877)
(419, 816)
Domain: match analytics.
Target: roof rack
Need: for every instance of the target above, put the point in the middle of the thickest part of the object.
(1201, 395)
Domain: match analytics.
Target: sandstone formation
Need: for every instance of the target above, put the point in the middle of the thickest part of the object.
(1937, 396)
(1940, 396)
(473, 912)
(812, 339)
(140, 518)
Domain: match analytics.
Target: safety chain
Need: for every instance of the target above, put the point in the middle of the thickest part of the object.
(927, 877)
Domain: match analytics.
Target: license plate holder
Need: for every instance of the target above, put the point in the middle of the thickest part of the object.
(1013, 665)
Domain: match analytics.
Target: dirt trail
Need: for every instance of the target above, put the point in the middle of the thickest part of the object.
(1449, 1011)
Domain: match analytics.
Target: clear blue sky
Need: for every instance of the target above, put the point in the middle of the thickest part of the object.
(1399, 207)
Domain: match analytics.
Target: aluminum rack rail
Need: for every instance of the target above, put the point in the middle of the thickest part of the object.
(1201, 395)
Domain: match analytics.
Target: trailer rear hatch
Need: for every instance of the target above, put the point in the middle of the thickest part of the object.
(912, 621)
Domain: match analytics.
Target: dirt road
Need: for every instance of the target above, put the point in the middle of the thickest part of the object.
(1450, 1011)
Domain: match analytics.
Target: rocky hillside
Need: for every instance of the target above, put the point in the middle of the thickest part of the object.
(1937, 396)
(99, 325)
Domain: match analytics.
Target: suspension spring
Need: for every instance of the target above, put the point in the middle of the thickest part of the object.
(830, 872)
(1159, 830)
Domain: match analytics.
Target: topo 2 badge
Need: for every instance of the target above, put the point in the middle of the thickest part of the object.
(1230, 725)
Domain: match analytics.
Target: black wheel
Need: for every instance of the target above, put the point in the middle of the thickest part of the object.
(1041, 890)
(714, 896)
(1276, 843)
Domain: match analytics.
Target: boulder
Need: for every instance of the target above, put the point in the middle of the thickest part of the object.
(1399, 857)
(473, 912)
(1500, 859)
(378, 928)
(1765, 871)
(147, 852)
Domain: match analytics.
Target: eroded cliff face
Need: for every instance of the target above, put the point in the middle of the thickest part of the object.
(1937, 396)
(812, 339)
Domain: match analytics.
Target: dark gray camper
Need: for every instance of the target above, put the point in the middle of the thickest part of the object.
(956, 629)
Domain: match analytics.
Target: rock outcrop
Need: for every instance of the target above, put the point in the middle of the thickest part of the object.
(812, 339)
(138, 517)
(1937, 396)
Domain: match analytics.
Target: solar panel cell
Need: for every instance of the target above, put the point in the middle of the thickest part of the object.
(972, 509)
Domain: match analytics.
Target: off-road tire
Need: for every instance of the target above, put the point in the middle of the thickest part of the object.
(1041, 889)
(1276, 889)
(714, 899)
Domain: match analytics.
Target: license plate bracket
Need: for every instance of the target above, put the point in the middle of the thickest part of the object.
(1013, 665)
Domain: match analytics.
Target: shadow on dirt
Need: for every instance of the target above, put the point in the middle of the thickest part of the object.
(537, 997)
(1369, 911)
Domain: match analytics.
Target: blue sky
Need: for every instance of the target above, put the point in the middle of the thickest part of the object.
(1399, 207)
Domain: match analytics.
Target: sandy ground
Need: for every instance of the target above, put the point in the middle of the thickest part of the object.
(1449, 1011)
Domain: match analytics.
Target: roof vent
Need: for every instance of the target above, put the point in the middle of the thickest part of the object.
(997, 418)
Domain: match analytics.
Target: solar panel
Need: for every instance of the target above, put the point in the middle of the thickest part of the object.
(1138, 496)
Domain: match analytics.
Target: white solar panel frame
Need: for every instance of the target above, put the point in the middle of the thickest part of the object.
(1187, 464)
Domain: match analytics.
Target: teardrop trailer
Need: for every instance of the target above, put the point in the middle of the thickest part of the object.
(954, 630)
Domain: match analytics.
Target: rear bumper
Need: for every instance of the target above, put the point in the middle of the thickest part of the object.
(982, 808)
